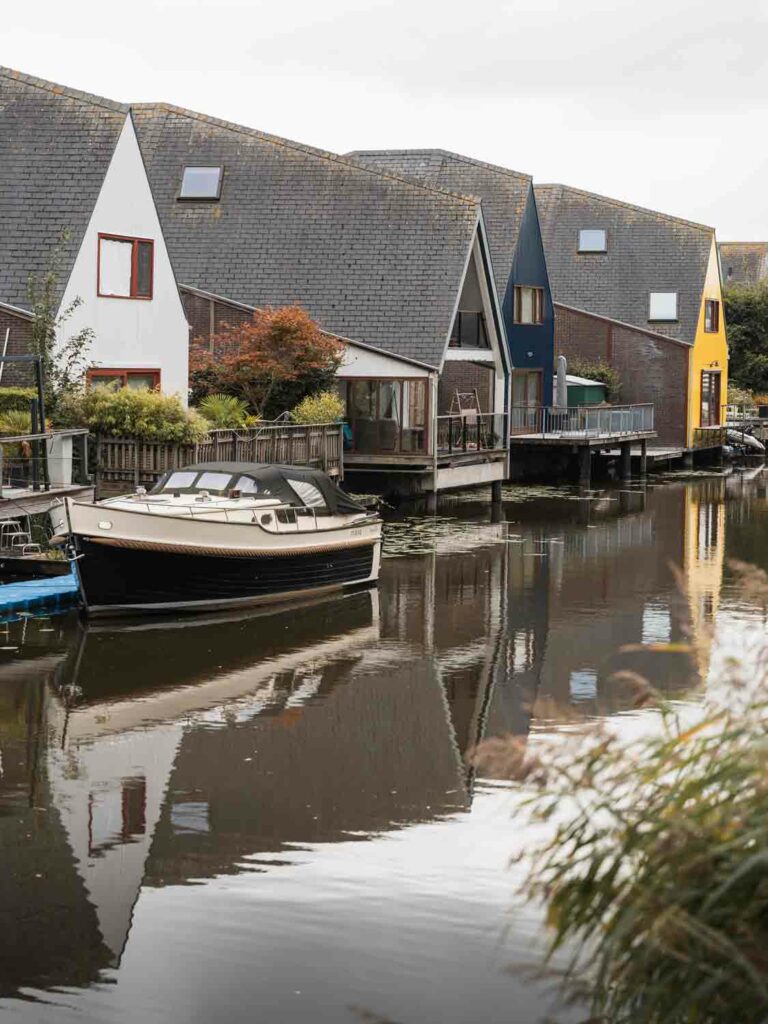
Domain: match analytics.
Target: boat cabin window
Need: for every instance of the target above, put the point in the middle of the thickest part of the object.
(246, 485)
(308, 493)
(177, 481)
(213, 481)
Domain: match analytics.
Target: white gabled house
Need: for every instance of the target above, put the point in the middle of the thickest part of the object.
(70, 164)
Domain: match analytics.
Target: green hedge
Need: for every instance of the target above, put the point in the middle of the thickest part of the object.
(16, 398)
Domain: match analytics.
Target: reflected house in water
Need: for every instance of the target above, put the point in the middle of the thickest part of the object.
(260, 736)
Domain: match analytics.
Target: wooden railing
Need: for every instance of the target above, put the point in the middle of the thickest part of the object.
(316, 445)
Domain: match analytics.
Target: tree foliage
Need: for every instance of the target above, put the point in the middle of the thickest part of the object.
(64, 359)
(597, 369)
(271, 362)
(746, 316)
(223, 411)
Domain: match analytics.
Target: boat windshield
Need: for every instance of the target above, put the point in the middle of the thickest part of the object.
(214, 483)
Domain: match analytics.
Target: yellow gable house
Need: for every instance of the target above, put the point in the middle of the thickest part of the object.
(708, 361)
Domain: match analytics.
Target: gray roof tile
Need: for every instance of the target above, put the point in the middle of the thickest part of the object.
(503, 192)
(372, 256)
(55, 147)
(744, 262)
(646, 251)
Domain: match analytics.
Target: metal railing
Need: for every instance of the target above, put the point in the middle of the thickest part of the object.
(582, 421)
(261, 515)
(44, 460)
(315, 445)
(471, 432)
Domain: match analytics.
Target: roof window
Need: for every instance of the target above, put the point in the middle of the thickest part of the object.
(592, 240)
(663, 306)
(201, 183)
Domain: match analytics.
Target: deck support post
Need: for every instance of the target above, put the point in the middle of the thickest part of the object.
(688, 459)
(431, 497)
(585, 467)
(643, 458)
(626, 460)
(496, 492)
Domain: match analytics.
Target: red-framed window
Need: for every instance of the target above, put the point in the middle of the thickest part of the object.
(529, 305)
(133, 378)
(125, 267)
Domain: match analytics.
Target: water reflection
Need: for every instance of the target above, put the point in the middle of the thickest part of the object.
(143, 756)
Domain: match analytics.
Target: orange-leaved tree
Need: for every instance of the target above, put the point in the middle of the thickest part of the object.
(271, 361)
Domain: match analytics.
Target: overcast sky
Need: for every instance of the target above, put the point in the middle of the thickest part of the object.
(658, 102)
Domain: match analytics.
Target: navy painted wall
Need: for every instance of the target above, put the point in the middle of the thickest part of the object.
(530, 268)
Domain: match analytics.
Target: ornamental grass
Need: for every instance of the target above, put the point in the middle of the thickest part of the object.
(654, 875)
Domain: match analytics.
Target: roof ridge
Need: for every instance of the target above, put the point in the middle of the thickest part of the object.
(63, 90)
(508, 171)
(625, 206)
(277, 140)
(721, 244)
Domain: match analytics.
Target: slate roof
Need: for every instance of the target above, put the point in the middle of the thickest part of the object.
(646, 251)
(504, 193)
(372, 256)
(744, 262)
(55, 147)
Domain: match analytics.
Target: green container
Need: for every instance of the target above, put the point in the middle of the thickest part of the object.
(586, 392)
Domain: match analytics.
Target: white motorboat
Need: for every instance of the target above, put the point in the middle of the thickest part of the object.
(219, 535)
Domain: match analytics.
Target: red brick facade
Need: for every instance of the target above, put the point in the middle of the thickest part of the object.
(464, 377)
(207, 316)
(651, 368)
(19, 330)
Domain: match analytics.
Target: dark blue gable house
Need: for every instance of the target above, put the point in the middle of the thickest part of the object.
(517, 251)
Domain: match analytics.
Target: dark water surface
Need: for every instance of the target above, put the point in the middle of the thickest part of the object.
(269, 817)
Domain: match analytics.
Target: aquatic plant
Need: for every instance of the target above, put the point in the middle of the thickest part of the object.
(655, 869)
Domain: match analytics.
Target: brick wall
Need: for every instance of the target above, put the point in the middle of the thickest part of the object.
(202, 314)
(651, 369)
(464, 377)
(18, 344)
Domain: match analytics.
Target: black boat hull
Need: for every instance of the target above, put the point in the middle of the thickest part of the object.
(122, 580)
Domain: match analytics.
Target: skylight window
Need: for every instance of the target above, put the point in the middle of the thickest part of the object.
(201, 183)
(663, 306)
(592, 240)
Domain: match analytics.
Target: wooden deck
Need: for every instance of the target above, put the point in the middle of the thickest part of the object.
(579, 440)
(22, 501)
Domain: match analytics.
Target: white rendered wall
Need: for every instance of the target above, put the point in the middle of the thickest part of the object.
(363, 362)
(130, 333)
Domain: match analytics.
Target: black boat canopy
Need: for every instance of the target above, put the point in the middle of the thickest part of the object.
(291, 485)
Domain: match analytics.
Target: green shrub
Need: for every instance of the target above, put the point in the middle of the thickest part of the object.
(223, 411)
(14, 422)
(16, 398)
(141, 414)
(325, 407)
(597, 369)
(740, 396)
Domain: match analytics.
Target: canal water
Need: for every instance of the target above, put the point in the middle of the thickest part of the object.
(269, 817)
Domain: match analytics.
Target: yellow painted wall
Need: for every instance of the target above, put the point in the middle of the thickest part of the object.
(707, 348)
(704, 558)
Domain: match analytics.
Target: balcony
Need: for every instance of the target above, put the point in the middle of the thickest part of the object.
(581, 424)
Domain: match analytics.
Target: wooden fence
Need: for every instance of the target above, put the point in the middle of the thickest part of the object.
(121, 460)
